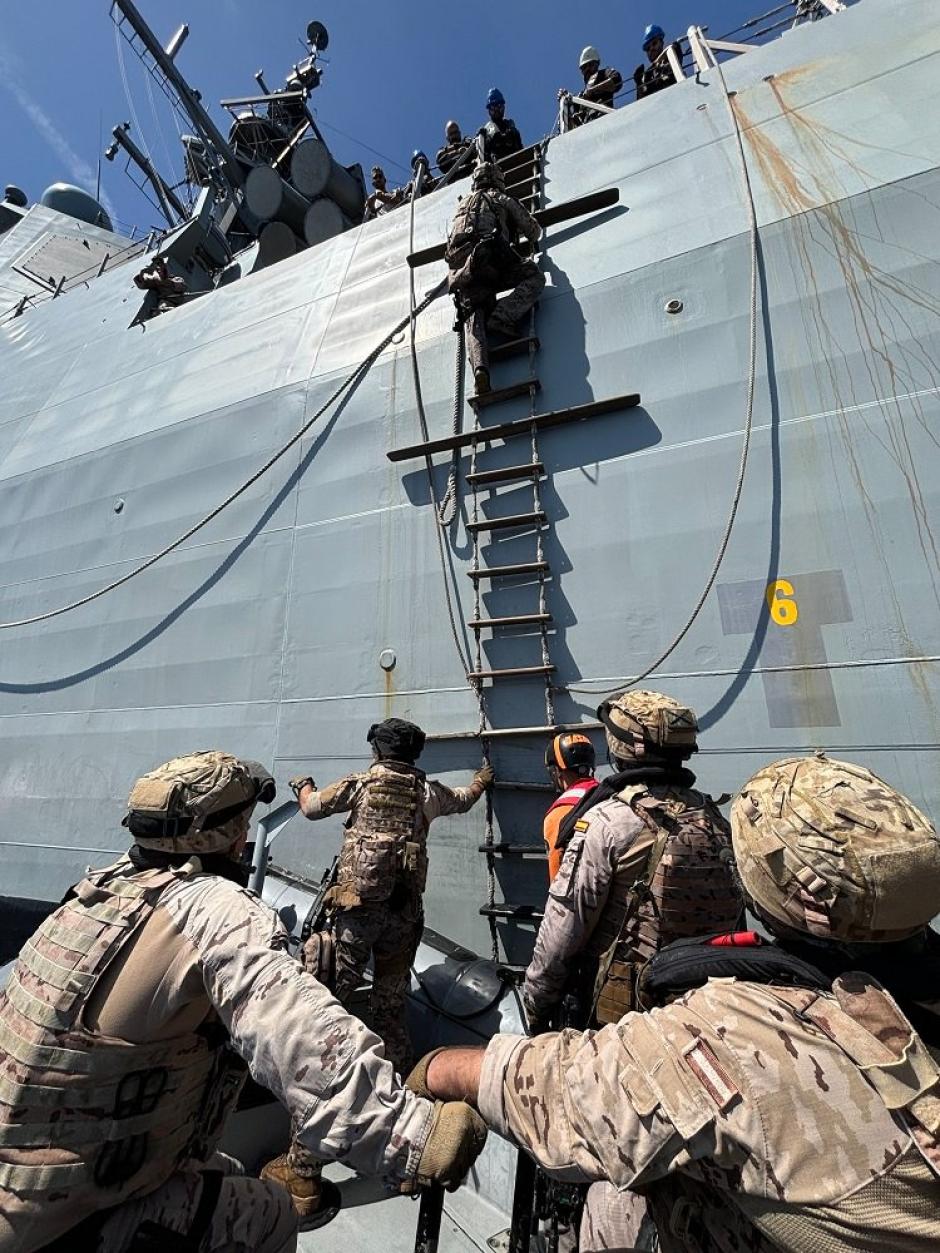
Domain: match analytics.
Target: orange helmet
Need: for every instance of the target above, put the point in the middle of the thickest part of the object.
(571, 751)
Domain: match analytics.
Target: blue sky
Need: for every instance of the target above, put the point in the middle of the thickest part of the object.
(396, 73)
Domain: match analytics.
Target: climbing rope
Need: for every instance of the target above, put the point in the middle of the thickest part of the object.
(475, 685)
(748, 421)
(447, 510)
(347, 385)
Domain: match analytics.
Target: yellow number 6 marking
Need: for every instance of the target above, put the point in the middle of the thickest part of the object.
(783, 608)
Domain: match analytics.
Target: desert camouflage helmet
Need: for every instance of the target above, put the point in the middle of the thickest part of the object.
(488, 174)
(828, 848)
(191, 804)
(639, 722)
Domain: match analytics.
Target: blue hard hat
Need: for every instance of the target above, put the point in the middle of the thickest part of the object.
(494, 96)
(651, 33)
(418, 155)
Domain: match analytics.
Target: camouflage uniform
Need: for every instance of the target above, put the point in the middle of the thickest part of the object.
(169, 291)
(734, 1093)
(595, 912)
(388, 928)
(488, 214)
(761, 1116)
(125, 1020)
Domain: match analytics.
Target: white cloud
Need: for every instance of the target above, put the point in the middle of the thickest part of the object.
(75, 165)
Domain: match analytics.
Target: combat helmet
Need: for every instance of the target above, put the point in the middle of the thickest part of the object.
(488, 174)
(828, 848)
(190, 804)
(641, 724)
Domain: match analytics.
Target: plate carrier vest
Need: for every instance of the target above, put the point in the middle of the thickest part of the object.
(386, 841)
(687, 889)
(89, 1120)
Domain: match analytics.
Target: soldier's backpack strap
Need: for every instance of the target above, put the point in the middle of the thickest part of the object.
(637, 893)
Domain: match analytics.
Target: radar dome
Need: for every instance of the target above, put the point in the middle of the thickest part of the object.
(77, 203)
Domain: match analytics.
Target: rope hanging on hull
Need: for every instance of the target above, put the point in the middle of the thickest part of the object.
(361, 370)
(748, 421)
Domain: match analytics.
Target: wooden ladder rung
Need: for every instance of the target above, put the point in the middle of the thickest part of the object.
(510, 671)
(517, 850)
(551, 215)
(521, 426)
(535, 518)
(523, 785)
(506, 474)
(506, 910)
(516, 619)
(501, 572)
(499, 394)
(514, 347)
(528, 155)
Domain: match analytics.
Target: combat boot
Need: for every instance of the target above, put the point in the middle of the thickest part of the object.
(481, 380)
(305, 1190)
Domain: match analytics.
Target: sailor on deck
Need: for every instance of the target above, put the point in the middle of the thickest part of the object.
(501, 136)
(169, 291)
(483, 262)
(658, 74)
(382, 200)
(454, 147)
(600, 86)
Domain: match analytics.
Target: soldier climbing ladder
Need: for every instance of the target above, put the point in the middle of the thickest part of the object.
(523, 173)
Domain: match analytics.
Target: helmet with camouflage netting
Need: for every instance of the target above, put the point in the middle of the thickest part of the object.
(828, 848)
(196, 803)
(641, 724)
(488, 174)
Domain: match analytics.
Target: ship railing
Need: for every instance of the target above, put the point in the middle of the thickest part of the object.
(697, 52)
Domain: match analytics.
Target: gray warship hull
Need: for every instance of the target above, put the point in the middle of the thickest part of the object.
(263, 635)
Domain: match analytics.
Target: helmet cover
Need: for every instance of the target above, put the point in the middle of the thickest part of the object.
(194, 804)
(828, 848)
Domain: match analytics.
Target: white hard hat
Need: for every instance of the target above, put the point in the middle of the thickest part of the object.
(588, 55)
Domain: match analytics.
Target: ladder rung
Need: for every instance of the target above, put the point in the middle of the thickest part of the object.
(521, 567)
(510, 973)
(517, 619)
(522, 671)
(511, 911)
(506, 474)
(521, 785)
(513, 347)
(551, 215)
(516, 159)
(499, 394)
(518, 850)
(506, 733)
(521, 426)
(536, 518)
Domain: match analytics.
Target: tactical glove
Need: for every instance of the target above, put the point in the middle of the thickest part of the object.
(299, 782)
(538, 1021)
(484, 776)
(417, 1081)
(458, 1135)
